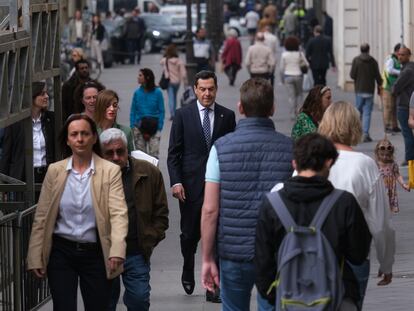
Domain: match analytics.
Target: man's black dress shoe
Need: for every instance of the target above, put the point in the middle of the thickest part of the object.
(213, 296)
(187, 280)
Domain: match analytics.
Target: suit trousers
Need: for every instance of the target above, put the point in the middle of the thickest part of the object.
(190, 230)
(319, 76)
(69, 265)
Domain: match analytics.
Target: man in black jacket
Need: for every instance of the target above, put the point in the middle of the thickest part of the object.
(365, 72)
(194, 130)
(345, 227)
(319, 54)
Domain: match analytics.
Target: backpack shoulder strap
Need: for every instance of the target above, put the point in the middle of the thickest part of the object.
(281, 210)
(325, 208)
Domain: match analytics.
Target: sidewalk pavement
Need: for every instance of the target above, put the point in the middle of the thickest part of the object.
(166, 263)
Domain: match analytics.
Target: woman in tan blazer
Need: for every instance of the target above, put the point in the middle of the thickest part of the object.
(81, 221)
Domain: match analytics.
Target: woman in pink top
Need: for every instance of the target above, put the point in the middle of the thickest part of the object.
(174, 70)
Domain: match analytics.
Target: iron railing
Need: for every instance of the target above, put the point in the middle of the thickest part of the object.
(19, 289)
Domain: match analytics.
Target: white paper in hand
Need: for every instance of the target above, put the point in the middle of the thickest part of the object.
(138, 154)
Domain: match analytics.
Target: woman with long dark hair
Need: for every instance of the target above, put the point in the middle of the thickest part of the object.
(106, 111)
(147, 113)
(81, 221)
(43, 123)
(311, 113)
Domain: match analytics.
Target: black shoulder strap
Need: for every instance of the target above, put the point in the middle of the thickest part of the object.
(281, 211)
(325, 208)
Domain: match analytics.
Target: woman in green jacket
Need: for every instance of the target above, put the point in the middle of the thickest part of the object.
(307, 121)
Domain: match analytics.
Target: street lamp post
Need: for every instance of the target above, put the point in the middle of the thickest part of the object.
(191, 66)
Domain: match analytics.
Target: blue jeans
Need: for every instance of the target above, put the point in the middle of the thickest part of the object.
(361, 273)
(407, 132)
(136, 277)
(172, 97)
(236, 284)
(364, 105)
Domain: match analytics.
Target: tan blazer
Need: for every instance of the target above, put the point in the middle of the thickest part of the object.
(110, 211)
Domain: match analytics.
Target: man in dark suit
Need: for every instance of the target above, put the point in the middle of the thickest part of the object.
(319, 54)
(194, 130)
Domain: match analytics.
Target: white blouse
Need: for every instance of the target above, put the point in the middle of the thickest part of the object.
(290, 63)
(357, 173)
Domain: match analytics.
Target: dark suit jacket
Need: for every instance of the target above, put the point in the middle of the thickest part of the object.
(12, 161)
(319, 52)
(188, 153)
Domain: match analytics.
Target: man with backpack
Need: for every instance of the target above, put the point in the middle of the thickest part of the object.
(306, 233)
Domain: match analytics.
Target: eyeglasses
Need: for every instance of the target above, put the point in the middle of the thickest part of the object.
(388, 148)
(112, 152)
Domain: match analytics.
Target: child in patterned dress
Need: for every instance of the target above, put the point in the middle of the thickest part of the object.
(384, 154)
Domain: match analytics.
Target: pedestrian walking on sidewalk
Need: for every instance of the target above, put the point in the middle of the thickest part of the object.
(81, 221)
(260, 61)
(231, 56)
(341, 123)
(194, 130)
(147, 114)
(174, 70)
(310, 114)
(392, 69)
(319, 54)
(365, 73)
(402, 90)
(235, 166)
(146, 200)
(302, 195)
(290, 70)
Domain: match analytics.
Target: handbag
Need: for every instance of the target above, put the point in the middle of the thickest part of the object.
(307, 83)
(148, 126)
(411, 174)
(303, 64)
(164, 81)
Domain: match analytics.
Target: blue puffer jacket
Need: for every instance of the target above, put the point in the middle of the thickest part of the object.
(252, 160)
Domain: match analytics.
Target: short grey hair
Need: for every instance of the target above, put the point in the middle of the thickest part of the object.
(112, 134)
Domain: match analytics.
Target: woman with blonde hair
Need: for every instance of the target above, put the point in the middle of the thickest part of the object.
(106, 111)
(357, 173)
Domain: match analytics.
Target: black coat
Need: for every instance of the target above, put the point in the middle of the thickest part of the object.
(319, 52)
(188, 153)
(345, 228)
(12, 160)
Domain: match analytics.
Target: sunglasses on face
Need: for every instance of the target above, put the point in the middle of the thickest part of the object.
(388, 148)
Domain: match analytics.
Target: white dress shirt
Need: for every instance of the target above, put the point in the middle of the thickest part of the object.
(76, 219)
(79, 29)
(39, 143)
(201, 109)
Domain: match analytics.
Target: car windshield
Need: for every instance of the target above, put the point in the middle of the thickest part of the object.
(157, 20)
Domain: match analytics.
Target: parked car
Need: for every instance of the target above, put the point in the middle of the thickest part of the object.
(162, 30)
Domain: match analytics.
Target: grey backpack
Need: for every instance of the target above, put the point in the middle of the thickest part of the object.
(308, 275)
